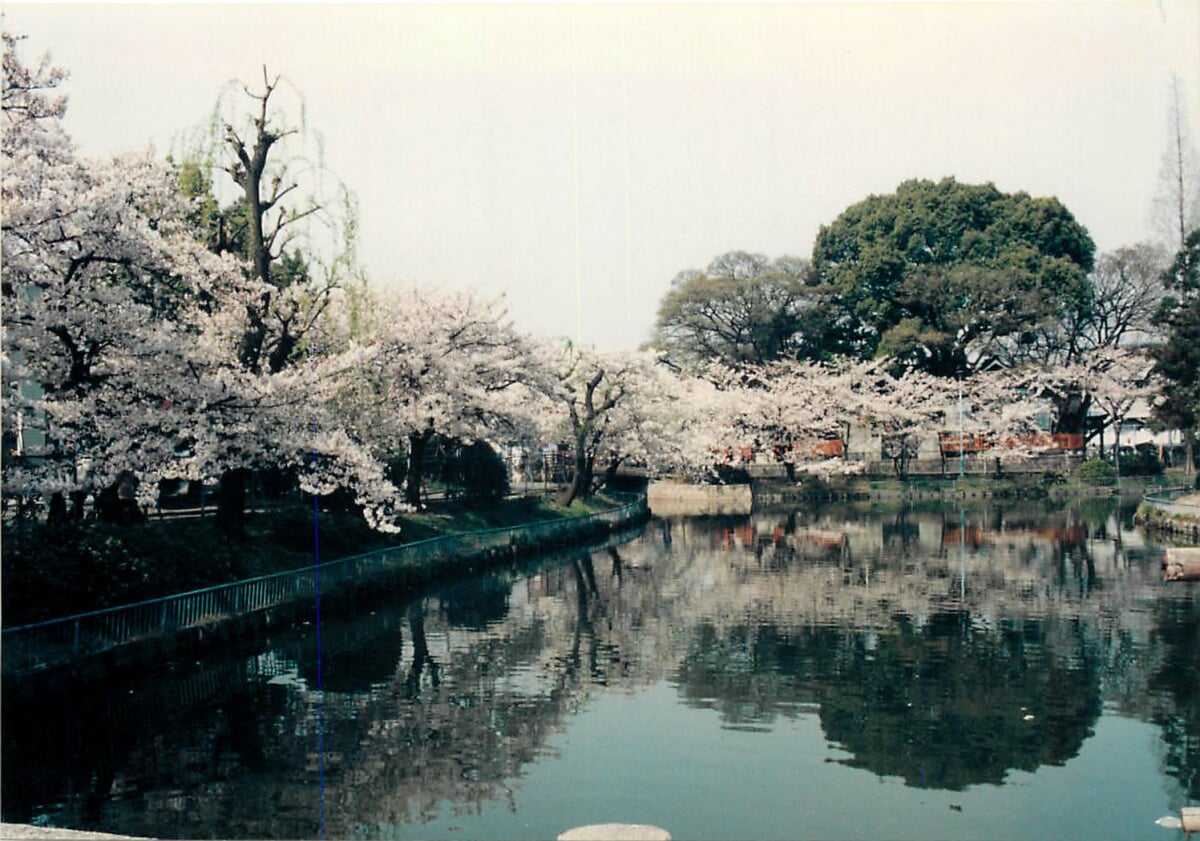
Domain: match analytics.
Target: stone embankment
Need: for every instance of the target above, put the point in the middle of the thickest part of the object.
(679, 499)
(1173, 514)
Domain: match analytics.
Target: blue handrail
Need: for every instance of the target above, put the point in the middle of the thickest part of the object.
(41, 645)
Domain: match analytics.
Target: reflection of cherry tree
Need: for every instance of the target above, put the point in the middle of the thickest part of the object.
(440, 706)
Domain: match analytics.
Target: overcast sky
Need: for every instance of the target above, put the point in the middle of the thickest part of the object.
(576, 157)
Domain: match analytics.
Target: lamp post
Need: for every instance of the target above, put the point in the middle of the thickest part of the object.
(962, 444)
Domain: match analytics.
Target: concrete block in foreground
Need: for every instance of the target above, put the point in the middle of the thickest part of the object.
(1190, 816)
(616, 832)
(51, 833)
(1182, 564)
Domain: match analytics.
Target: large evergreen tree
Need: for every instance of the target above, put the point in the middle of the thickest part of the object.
(1178, 359)
(952, 277)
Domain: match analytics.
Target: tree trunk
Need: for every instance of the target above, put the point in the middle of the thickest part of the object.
(1117, 453)
(610, 472)
(572, 491)
(106, 504)
(231, 501)
(417, 445)
(78, 501)
(118, 502)
(580, 485)
(57, 517)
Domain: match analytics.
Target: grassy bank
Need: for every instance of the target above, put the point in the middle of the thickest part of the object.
(50, 572)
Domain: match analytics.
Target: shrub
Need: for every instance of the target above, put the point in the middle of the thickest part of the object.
(484, 474)
(1053, 477)
(1096, 472)
(1143, 461)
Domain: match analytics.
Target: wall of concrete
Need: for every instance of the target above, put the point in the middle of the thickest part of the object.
(676, 499)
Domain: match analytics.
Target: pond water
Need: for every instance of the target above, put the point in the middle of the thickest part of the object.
(835, 672)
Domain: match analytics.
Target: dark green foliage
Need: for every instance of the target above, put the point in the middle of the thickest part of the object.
(743, 309)
(86, 568)
(484, 474)
(1178, 359)
(1096, 472)
(1143, 461)
(1184, 272)
(938, 271)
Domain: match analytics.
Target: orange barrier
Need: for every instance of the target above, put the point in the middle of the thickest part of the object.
(952, 444)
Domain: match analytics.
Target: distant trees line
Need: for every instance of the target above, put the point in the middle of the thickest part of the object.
(952, 280)
(205, 317)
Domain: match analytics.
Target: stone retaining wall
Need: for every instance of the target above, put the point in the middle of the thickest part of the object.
(677, 499)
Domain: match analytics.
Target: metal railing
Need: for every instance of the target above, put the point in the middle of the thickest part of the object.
(1165, 500)
(42, 645)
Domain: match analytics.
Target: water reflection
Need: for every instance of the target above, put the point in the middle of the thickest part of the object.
(945, 648)
(941, 704)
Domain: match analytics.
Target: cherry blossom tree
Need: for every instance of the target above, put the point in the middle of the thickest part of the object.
(129, 333)
(433, 363)
(97, 269)
(993, 413)
(1118, 379)
(1109, 379)
(783, 408)
(647, 426)
(593, 394)
(292, 224)
(698, 429)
